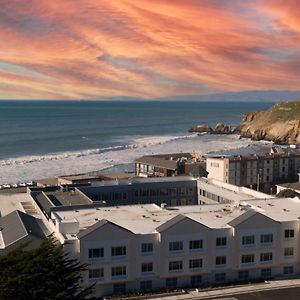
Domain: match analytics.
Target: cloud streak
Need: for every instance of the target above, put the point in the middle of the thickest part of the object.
(96, 49)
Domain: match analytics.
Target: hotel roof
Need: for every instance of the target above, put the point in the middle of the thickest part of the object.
(150, 218)
(278, 209)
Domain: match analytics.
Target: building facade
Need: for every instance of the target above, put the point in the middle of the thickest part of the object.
(175, 164)
(144, 248)
(255, 170)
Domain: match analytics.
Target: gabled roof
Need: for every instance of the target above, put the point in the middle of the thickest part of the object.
(18, 225)
(245, 216)
(177, 219)
(98, 225)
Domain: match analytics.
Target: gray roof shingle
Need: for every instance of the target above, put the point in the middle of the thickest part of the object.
(18, 225)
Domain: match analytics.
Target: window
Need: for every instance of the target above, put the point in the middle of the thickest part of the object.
(268, 256)
(266, 238)
(146, 285)
(96, 273)
(288, 270)
(147, 248)
(175, 246)
(221, 260)
(96, 252)
(196, 280)
(119, 288)
(195, 263)
(289, 233)
(196, 244)
(266, 273)
(118, 251)
(147, 267)
(214, 164)
(248, 240)
(243, 275)
(248, 259)
(220, 277)
(221, 241)
(175, 265)
(289, 251)
(118, 271)
(171, 283)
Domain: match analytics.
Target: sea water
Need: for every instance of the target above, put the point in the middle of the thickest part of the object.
(41, 139)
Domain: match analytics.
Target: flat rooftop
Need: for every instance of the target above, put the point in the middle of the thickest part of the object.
(144, 219)
(10, 202)
(143, 180)
(279, 209)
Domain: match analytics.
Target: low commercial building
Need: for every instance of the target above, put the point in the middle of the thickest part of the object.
(81, 179)
(18, 228)
(180, 190)
(171, 165)
(263, 170)
(21, 221)
(147, 247)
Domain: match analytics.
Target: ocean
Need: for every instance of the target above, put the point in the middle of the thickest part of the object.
(41, 139)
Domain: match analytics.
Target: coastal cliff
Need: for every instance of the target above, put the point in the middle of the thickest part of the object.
(280, 123)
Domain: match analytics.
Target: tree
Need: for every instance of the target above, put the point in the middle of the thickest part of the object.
(41, 274)
(288, 193)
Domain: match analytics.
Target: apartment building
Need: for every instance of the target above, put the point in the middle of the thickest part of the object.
(255, 170)
(171, 165)
(147, 247)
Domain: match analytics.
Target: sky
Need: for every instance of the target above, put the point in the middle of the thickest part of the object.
(95, 49)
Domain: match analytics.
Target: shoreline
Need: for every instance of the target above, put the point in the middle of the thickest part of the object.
(54, 166)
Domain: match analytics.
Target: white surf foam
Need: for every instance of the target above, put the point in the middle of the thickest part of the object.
(36, 167)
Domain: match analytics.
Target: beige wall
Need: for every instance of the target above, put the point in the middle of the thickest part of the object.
(216, 168)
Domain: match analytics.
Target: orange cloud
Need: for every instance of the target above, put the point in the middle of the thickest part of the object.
(149, 48)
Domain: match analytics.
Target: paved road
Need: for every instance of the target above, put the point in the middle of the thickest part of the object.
(273, 290)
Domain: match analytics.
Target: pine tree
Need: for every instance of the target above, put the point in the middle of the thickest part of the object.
(41, 274)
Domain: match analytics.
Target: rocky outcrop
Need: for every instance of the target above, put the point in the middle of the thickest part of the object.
(219, 129)
(280, 123)
(203, 128)
(222, 129)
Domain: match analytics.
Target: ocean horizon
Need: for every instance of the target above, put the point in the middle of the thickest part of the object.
(41, 139)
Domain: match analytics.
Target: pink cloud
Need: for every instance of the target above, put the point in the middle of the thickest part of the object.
(149, 48)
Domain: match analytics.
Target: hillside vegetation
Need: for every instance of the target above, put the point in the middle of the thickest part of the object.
(280, 123)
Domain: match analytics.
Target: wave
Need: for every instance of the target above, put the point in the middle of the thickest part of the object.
(34, 167)
(139, 142)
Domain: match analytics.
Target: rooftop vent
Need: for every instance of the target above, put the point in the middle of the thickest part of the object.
(163, 206)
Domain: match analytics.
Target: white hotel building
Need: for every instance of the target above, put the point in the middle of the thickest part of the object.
(147, 247)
